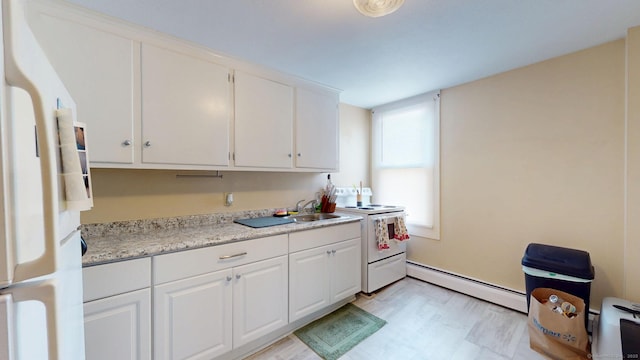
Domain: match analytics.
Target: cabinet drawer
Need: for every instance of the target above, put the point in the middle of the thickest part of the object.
(318, 237)
(115, 278)
(185, 264)
(385, 271)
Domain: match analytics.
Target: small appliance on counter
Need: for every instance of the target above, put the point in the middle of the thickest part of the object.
(379, 267)
(616, 332)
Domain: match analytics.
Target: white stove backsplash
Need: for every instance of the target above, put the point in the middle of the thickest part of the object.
(347, 196)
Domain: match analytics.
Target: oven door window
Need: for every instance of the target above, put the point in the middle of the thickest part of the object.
(391, 228)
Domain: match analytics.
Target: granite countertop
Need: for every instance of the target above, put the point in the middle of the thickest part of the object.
(110, 242)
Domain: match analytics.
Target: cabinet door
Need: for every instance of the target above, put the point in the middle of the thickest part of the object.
(259, 299)
(99, 69)
(263, 122)
(308, 281)
(118, 327)
(316, 130)
(193, 317)
(186, 107)
(345, 269)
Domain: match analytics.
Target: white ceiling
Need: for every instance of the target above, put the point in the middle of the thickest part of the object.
(425, 45)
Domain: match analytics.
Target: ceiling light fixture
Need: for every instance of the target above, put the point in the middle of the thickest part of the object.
(377, 8)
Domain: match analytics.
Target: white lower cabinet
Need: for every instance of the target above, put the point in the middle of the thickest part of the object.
(210, 301)
(218, 301)
(259, 299)
(196, 317)
(308, 282)
(118, 327)
(117, 310)
(344, 269)
(193, 317)
(322, 275)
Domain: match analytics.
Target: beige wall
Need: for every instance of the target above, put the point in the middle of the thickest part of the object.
(632, 239)
(145, 194)
(355, 140)
(533, 155)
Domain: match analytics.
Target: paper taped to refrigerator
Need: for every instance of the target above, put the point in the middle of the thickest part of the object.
(75, 182)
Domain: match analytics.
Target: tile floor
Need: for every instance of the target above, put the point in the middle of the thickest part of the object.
(425, 321)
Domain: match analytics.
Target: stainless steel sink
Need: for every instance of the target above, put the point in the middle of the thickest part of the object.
(313, 217)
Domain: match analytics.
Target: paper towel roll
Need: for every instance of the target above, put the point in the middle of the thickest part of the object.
(76, 190)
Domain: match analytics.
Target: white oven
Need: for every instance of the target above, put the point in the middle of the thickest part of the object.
(395, 247)
(379, 267)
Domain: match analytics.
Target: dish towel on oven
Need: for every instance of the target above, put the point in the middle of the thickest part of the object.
(382, 234)
(400, 229)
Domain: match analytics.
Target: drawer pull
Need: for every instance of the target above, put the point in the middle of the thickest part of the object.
(224, 257)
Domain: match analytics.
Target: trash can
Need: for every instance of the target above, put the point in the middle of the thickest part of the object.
(555, 267)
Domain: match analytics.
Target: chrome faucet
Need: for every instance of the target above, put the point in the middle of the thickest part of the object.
(298, 207)
(301, 208)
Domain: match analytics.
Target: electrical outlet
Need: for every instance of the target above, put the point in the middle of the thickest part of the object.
(228, 199)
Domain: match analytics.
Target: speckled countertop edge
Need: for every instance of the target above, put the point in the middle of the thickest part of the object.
(118, 241)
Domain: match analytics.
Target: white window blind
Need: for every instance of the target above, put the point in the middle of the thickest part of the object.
(406, 160)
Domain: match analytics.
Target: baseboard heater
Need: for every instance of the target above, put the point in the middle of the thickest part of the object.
(495, 294)
(508, 298)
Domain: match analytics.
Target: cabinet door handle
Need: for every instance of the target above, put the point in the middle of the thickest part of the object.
(224, 257)
(127, 142)
(238, 276)
(289, 155)
(333, 251)
(229, 278)
(328, 252)
(299, 154)
(147, 143)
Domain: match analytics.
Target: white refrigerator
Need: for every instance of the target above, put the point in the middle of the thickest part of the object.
(44, 186)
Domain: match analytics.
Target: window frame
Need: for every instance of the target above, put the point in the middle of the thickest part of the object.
(432, 232)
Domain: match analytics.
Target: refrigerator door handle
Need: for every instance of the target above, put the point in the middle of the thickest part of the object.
(45, 292)
(26, 67)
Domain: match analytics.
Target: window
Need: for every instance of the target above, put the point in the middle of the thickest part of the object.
(406, 160)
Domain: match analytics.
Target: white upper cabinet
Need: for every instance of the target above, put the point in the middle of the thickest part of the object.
(155, 102)
(316, 129)
(263, 122)
(99, 69)
(185, 109)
